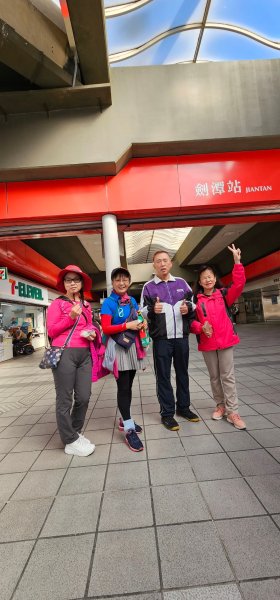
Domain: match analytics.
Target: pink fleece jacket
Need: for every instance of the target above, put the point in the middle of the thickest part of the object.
(59, 324)
(212, 309)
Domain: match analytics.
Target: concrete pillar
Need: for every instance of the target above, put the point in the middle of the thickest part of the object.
(111, 247)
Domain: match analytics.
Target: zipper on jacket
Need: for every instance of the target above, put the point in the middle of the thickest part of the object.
(171, 299)
(203, 309)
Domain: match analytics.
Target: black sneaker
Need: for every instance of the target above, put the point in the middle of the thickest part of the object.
(133, 441)
(170, 423)
(138, 428)
(188, 414)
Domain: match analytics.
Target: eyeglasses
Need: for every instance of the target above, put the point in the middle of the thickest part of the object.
(72, 281)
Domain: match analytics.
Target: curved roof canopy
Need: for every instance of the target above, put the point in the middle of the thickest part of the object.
(153, 32)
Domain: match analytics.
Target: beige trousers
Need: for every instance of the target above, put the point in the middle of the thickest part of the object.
(221, 370)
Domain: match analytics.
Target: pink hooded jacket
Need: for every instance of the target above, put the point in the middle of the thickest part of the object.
(212, 309)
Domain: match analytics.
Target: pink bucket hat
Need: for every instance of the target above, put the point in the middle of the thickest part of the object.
(87, 283)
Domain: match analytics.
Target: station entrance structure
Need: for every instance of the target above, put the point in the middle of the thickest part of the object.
(147, 193)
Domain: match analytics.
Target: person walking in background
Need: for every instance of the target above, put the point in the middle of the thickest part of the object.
(74, 370)
(217, 335)
(118, 315)
(166, 302)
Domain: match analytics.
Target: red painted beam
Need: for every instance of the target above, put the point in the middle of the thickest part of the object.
(260, 268)
(24, 261)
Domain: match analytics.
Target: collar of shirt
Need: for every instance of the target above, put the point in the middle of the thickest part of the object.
(158, 280)
(125, 299)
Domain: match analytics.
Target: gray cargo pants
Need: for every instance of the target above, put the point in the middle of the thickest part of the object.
(73, 374)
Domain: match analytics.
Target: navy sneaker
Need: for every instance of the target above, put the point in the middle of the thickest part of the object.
(138, 429)
(133, 441)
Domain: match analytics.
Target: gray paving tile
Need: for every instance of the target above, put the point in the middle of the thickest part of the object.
(39, 484)
(5, 421)
(236, 440)
(126, 476)
(121, 453)
(217, 592)
(199, 541)
(201, 444)
(258, 422)
(83, 480)
(150, 596)
(126, 509)
(253, 546)
(99, 457)
(152, 419)
(187, 428)
(99, 413)
(275, 419)
(97, 424)
(267, 408)
(17, 462)
(27, 419)
(15, 431)
(261, 590)
(55, 443)
(213, 466)
(170, 471)
(71, 515)
(245, 410)
(42, 429)
(229, 498)
(7, 444)
(22, 520)
(267, 488)
(156, 432)
(104, 436)
(110, 573)
(63, 558)
(267, 437)
(220, 426)
(179, 503)
(165, 448)
(52, 459)
(47, 418)
(8, 483)
(275, 452)
(255, 462)
(37, 442)
(13, 558)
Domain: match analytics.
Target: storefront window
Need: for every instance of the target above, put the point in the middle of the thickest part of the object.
(27, 317)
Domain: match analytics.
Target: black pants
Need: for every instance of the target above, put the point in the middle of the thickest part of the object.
(73, 374)
(124, 383)
(164, 351)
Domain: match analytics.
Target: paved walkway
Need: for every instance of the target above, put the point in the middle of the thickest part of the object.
(196, 516)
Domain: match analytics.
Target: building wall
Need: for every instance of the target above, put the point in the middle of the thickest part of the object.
(184, 108)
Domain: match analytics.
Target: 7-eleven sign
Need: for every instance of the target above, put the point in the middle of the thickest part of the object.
(3, 273)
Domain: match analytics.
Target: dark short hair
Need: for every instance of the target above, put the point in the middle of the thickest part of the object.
(120, 271)
(161, 252)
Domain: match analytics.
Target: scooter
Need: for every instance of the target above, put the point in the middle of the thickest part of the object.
(23, 346)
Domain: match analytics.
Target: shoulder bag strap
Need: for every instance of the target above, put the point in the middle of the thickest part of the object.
(71, 333)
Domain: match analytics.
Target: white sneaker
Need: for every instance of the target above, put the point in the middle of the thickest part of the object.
(79, 448)
(85, 439)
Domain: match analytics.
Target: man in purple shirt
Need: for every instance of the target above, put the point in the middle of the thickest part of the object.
(166, 302)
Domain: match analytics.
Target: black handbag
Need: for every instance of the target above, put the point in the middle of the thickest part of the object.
(52, 356)
(126, 338)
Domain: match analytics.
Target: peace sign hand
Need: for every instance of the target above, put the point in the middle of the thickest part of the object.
(236, 253)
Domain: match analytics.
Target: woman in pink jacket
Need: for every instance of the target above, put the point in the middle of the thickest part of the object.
(217, 335)
(74, 370)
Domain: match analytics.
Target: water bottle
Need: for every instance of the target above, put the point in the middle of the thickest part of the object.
(143, 333)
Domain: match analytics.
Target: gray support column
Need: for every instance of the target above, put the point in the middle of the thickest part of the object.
(111, 247)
